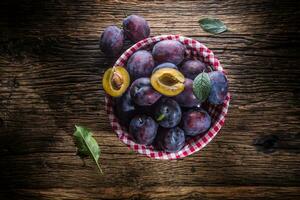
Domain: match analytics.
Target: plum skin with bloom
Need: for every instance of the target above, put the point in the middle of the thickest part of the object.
(125, 108)
(168, 51)
(112, 41)
(195, 121)
(170, 139)
(143, 128)
(219, 87)
(140, 64)
(142, 92)
(191, 68)
(167, 112)
(136, 28)
(187, 97)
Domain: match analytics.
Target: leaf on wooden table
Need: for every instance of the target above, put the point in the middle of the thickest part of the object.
(212, 25)
(86, 144)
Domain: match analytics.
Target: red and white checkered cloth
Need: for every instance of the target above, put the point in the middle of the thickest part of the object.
(194, 49)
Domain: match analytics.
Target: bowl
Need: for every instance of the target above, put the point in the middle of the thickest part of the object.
(194, 50)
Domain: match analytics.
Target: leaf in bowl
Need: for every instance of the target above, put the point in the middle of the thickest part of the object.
(202, 86)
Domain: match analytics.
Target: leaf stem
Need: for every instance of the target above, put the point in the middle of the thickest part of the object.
(93, 156)
(98, 166)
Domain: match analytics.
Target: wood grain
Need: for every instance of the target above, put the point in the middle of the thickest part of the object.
(163, 193)
(50, 72)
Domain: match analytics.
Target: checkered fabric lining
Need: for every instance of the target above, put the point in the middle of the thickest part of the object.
(195, 49)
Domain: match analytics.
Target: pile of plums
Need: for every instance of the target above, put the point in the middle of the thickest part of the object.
(154, 93)
(135, 28)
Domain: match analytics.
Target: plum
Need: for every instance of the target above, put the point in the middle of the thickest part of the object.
(136, 28)
(143, 128)
(187, 97)
(168, 51)
(140, 64)
(170, 140)
(165, 65)
(195, 121)
(142, 92)
(167, 113)
(192, 68)
(111, 41)
(219, 87)
(125, 108)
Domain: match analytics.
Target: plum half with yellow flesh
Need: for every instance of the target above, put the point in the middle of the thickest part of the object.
(115, 81)
(168, 81)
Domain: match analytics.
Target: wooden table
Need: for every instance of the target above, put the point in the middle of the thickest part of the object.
(50, 72)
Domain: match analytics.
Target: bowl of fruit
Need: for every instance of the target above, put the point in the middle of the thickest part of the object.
(166, 96)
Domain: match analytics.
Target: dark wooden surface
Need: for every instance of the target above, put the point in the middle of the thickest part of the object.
(50, 72)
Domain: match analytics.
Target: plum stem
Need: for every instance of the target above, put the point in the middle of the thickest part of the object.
(160, 117)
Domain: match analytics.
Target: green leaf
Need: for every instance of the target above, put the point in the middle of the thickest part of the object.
(202, 86)
(86, 144)
(212, 25)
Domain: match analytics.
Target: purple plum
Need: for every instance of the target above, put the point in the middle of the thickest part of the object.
(136, 28)
(168, 51)
(143, 128)
(142, 92)
(187, 97)
(195, 121)
(111, 41)
(140, 64)
(191, 68)
(167, 112)
(170, 140)
(125, 108)
(219, 87)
